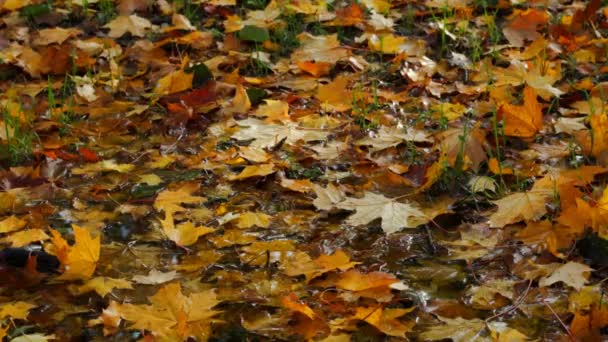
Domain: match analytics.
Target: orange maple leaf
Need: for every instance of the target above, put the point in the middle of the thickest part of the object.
(525, 120)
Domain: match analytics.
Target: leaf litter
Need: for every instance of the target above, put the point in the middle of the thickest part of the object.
(329, 171)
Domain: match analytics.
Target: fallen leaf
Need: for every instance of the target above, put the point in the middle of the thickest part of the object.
(529, 205)
(155, 277)
(328, 197)
(392, 136)
(103, 285)
(457, 329)
(81, 258)
(26, 237)
(386, 320)
(15, 310)
(522, 121)
(11, 224)
(183, 234)
(259, 170)
(133, 24)
(573, 274)
(170, 201)
(321, 265)
(394, 214)
(292, 303)
(269, 135)
(172, 315)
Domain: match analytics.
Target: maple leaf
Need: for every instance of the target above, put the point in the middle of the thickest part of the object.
(133, 24)
(253, 171)
(240, 103)
(155, 277)
(269, 135)
(464, 145)
(456, 329)
(103, 285)
(15, 310)
(298, 185)
(523, 121)
(55, 35)
(328, 197)
(33, 338)
(386, 320)
(323, 49)
(25, 237)
(354, 280)
(573, 274)
(394, 215)
(250, 219)
(292, 303)
(524, 25)
(102, 166)
(392, 136)
(273, 110)
(321, 265)
(502, 333)
(11, 224)
(599, 126)
(183, 234)
(529, 205)
(173, 82)
(172, 316)
(80, 260)
(169, 200)
(333, 94)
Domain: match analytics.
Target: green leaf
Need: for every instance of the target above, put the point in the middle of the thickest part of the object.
(256, 95)
(202, 75)
(36, 10)
(253, 34)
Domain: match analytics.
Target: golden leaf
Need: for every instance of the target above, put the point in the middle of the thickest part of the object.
(11, 224)
(16, 310)
(523, 121)
(82, 257)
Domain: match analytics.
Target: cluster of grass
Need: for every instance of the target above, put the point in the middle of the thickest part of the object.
(20, 138)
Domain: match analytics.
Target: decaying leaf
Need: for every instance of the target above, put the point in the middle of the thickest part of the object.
(572, 274)
(529, 205)
(394, 214)
(155, 277)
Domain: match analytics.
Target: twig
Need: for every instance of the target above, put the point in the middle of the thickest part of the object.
(515, 304)
(572, 338)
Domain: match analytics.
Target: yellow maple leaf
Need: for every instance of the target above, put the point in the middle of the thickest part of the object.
(240, 103)
(273, 110)
(321, 265)
(11, 223)
(103, 285)
(16, 310)
(25, 237)
(386, 320)
(183, 234)
(172, 316)
(80, 260)
(292, 303)
(174, 82)
(250, 219)
(170, 200)
(254, 171)
(335, 95)
(599, 126)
